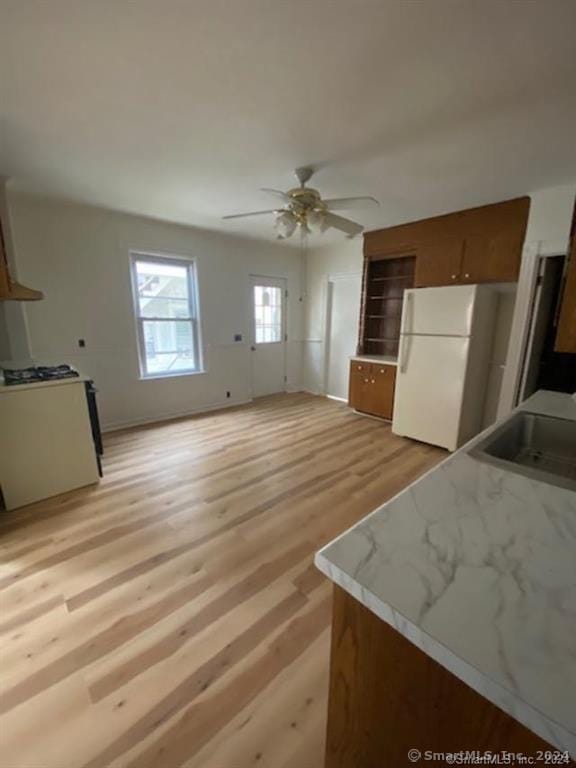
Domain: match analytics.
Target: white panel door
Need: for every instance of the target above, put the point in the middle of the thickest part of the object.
(429, 388)
(444, 311)
(268, 335)
(342, 332)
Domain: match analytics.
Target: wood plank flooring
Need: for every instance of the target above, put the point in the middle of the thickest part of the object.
(172, 616)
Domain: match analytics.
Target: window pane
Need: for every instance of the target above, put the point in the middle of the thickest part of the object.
(168, 346)
(267, 314)
(162, 289)
(164, 307)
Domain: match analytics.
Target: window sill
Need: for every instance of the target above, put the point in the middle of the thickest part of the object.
(175, 375)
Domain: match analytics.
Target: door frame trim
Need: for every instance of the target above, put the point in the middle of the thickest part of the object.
(327, 319)
(525, 292)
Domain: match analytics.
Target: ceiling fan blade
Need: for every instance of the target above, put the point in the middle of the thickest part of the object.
(278, 193)
(344, 225)
(350, 203)
(253, 213)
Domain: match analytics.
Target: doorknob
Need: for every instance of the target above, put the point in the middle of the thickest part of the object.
(253, 348)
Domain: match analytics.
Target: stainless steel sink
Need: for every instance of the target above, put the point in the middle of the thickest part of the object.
(540, 447)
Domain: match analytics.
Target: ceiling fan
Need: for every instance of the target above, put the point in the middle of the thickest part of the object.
(305, 210)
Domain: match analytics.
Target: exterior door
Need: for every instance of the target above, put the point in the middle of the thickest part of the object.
(268, 335)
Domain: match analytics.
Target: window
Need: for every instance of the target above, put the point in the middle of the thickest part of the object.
(267, 314)
(166, 315)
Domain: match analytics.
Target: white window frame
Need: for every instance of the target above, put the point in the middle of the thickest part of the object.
(193, 303)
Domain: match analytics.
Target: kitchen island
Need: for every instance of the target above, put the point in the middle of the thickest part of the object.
(455, 616)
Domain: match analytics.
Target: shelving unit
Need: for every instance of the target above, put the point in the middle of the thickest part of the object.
(385, 281)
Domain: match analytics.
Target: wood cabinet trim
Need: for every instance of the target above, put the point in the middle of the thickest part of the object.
(478, 245)
(509, 214)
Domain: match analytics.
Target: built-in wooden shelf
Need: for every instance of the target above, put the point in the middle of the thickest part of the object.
(385, 281)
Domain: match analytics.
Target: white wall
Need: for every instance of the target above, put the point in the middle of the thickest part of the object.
(344, 258)
(79, 256)
(547, 234)
(550, 217)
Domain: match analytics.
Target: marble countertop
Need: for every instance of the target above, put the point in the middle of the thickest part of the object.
(382, 359)
(477, 567)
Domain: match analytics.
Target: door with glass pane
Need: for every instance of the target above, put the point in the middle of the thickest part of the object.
(268, 342)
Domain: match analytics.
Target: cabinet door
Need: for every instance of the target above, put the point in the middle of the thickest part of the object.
(439, 263)
(382, 382)
(492, 259)
(566, 330)
(359, 391)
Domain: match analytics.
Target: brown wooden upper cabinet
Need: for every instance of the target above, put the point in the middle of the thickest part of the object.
(566, 328)
(439, 263)
(492, 257)
(478, 245)
(10, 290)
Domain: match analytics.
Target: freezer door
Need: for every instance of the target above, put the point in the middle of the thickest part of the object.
(445, 311)
(429, 389)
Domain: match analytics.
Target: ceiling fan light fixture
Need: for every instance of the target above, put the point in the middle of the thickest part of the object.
(285, 224)
(316, 220)
(305, 209)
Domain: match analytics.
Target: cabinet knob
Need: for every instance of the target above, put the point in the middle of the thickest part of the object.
(453, 277)
(382, 370)
(365, 381)
(467, 274)
(373, 381)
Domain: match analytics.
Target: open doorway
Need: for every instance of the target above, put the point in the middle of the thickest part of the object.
(342, 312)
(543, 367)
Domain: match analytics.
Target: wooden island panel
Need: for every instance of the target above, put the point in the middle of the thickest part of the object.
(387, 697)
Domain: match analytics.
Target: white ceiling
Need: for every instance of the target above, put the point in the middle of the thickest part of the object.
(183, 109)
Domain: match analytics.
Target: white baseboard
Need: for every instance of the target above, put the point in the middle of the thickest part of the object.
(339, 399)
(312, 391)
(115, 426)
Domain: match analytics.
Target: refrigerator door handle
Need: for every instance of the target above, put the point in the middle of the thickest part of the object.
(404, 352)
(409, 312)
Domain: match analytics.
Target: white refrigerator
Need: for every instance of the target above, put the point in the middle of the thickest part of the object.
(443, 363)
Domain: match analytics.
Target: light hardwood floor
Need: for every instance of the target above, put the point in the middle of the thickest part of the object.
(172, 616)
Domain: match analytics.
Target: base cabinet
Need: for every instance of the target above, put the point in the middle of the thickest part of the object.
(46, 442)
(389, 700)
(372, 388)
